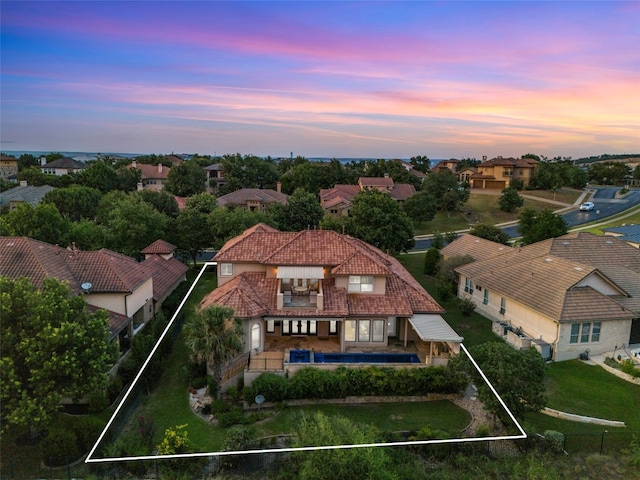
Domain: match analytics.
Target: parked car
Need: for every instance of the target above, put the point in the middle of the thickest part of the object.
(587, 207)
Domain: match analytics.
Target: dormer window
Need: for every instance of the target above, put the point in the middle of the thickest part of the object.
(360, 283)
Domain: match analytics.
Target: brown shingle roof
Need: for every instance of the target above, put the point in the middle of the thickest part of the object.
(476, 247)
(244, 195)
(550, 276)
(158, 172)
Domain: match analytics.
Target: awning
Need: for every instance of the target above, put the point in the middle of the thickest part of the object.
(300, 272)
(433, 328)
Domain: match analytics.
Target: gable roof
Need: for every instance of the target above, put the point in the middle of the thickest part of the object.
(242, 196)
(148, 171)
(476, 247)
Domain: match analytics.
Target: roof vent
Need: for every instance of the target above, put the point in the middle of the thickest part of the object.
(565, 243)
(579, 269)
(548, 259)
(609, 242)
(86, 287)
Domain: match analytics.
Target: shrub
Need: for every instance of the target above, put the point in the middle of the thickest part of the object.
(219, 406)
(87, 430)
(98, 401)
(555, 441)
(60, 447)
(628, 366)
(233, 417)
(199, 382)
(467, 306)
(431, 260)
(270, 385)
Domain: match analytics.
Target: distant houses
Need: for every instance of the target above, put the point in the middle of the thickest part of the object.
(61, 166)
(153, 177)
(23, 193)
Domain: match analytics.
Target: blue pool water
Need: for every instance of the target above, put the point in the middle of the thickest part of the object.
(304, 356)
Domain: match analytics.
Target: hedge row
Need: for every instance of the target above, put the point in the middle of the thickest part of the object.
(314, 383)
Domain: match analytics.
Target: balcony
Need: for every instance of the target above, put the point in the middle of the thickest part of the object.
(300, 294)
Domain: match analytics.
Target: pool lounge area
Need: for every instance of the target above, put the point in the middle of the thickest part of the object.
(307, 356)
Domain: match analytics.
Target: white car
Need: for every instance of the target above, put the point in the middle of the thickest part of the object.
(587, 207)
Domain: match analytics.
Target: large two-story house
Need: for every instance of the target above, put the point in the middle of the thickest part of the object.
(319, 292)
(499, 172)
(565, 296)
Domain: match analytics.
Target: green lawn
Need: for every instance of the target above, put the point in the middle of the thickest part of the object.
(389, 417)
(484, 208)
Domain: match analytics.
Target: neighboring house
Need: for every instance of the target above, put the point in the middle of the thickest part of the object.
(168, 272)
(409, 168)
(475, 247)
(215, 177)
(253, 198)
(337, 200)
(174, 159)
(61, 166)
(324, 292)
(107, 280)
(153, 177)
(563, 296)
(451, 165)
(628, 233)
(23, 194)
(8, 166)
(464, 175)
(498, 172)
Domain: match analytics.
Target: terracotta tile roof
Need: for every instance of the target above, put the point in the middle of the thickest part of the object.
(107, 271)
(117, 321)
(160, 247)
(506, 162)
(244, 195)
(476, 247)
(252, 293)
(167, 274)
(402, 191)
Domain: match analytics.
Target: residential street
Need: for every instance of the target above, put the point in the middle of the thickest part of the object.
(606, 205)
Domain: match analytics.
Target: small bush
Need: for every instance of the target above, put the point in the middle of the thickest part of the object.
(219, 406)
(87, 431)
(483, 430)
(467, 306)
(60, 447)
(628, 366)
(199, 382)
(431, 261)
(98, 401)
(555, 440)
(233, 417)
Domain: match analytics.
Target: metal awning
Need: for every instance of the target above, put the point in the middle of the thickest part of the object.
(299, 272)
(434, 328)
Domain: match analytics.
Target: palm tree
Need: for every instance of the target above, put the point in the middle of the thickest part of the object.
(213, 335)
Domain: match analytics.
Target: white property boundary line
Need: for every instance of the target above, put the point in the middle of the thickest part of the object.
(89, 458)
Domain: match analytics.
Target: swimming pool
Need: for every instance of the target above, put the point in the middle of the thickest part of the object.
(304, 356)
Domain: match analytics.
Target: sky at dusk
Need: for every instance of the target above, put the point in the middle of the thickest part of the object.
(321, 79)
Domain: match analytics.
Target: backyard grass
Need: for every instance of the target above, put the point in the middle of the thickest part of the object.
(388, 417)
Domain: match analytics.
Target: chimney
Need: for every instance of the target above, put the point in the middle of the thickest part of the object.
(134, 164)
(484, 158)
(43, 160)
(23, 183)
(279, 187)
(57, 249)
(386, 175)
(139, 186)
(159, 168)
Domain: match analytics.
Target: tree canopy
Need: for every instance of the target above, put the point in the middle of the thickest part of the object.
(510, 200)
(52, 347)
(444, 187)
(302, 211)
(186, 179)
(379, 220)
(42, 222)
(490, 232)
(420, 207)
(75, 202)
(535, 226)
(517, 376)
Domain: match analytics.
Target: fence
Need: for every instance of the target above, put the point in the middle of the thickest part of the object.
(605, 442)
